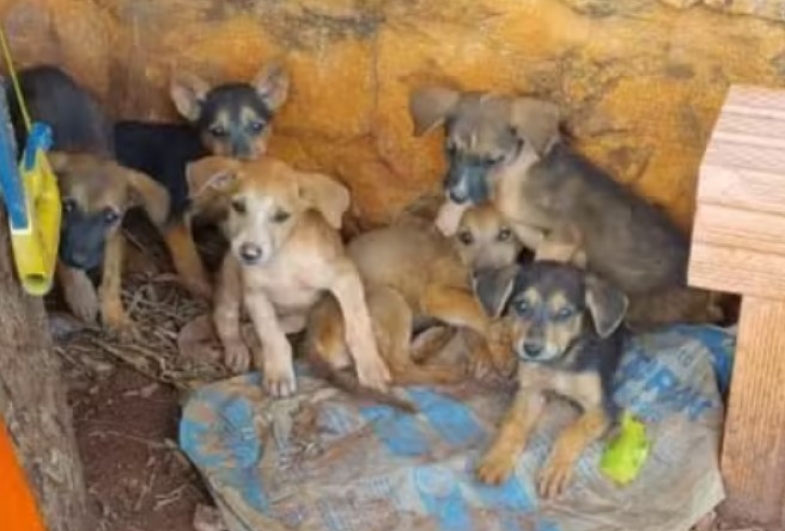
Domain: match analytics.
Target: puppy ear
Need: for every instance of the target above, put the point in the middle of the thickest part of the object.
(326, 194)
(58, 161)
(144, 191)
(493, 288)
(211, 173)
(188, 93)
(430, 107)
(536, 121)
(272, 85)
(607, 304)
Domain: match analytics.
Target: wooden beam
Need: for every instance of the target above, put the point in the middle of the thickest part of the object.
(753, 454)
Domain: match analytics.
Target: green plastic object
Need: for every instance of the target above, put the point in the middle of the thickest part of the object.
(625, 454)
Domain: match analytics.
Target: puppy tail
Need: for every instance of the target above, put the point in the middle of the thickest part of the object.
(350, 384)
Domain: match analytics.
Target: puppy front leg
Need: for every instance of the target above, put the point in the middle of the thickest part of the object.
(226, 315)
(186, 259)
(276, 363)
(112, 312)
(78, 291)
(557, 472)
(499, 461)
(348, 290)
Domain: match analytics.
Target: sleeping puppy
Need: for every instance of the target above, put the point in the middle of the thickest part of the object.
(96, 191)
(560, 205)
(285, 253)
(414, 277)
(563, 325)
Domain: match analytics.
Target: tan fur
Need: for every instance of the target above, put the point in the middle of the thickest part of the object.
(292, 218)
(95, 184)
(412, 272)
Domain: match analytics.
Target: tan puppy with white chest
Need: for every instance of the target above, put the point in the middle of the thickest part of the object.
(285, 252)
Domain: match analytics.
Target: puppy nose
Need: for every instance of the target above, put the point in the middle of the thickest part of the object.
(532, 350)
(250, 252)
(457, 196)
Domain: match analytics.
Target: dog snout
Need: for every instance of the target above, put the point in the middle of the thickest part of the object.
(250, 253)
(458, 195)
(533, 349)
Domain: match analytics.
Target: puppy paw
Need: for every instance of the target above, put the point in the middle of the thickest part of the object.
(118, 323)
(237, 356)
(83, 302)
(495, 467)
(374, 373)
(200, 288)
(554, 476)
(279, 379)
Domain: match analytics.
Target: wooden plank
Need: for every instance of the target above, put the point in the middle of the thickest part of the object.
(735, 270)
(742, 229)
(742, 188)
(753, 454)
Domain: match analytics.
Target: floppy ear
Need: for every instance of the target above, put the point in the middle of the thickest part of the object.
(493, 288)
(607, 304)
(188, 93)
(430, 107)
(58, 161)
(536, 121)
(272, 85)
(145, 192)
(326, 194)
(211, 173)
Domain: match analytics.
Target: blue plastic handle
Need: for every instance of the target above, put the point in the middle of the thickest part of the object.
(10, 180)
(40, 138)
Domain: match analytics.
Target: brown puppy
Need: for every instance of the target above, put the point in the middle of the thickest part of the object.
(96, 191)
(563, 325)
(560, 204)
(285, 253)
(413, 276)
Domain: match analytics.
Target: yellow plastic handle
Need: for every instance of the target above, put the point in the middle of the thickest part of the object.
(35, 249)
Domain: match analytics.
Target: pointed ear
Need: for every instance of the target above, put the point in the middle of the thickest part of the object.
(188, 93)
(536, 121)
(607, 305)
(326, 194)
(272, 85)
(493, 288)
(144, 191)
(211, 173)
(430, 107)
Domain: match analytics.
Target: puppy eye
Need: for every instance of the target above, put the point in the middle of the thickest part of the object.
(110, 215)
(465, 237)
(238, 205)
(256, 126)
(522, 307)
(69, 205)
(564, 314)
(281, 216)
(504, 234)
(493, 160)
(218, 131)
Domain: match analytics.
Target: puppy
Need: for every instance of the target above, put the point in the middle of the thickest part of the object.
(96, 191)
(231, 119)
(563, 325)
(562, 206)
(285, 252)
(414, 276)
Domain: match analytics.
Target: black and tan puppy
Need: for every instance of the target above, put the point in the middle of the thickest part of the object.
(563, 324)
(562, 206)
(96, 191)
(230, 119)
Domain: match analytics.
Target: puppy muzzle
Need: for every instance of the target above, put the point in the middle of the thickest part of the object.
(467, 183)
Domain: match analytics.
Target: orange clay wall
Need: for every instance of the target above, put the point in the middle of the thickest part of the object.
(641, 80)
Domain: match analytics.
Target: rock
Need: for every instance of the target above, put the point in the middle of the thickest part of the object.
(640, 81)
